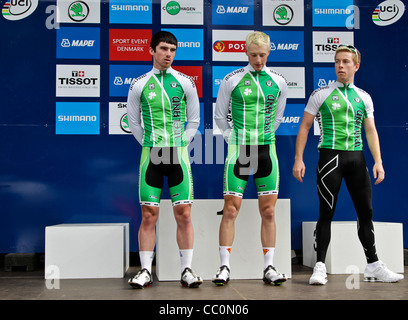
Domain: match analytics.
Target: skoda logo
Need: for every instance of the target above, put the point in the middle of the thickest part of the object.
(78, 11)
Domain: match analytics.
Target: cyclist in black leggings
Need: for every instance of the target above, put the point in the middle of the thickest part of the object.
(341, 110)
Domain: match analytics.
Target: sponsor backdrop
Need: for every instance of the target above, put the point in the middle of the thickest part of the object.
(67, 155)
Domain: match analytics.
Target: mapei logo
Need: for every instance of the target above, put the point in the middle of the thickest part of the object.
(286, 46)
(230, 9)
(18, 9)
(121, 77)
(78, 43)
(239, 12)
(388, 12)
(291, 120)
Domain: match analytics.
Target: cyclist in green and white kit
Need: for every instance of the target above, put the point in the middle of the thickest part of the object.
(163, 100)
(256, 96)
(341, 110)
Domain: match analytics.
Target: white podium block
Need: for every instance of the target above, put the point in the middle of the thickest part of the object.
(79, 251)
(345, 253)
(246, 255)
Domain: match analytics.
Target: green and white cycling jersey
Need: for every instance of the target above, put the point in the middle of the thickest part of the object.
(257, 101)
(340, 110)
(163, 101)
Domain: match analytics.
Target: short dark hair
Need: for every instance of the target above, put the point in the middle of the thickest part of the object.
(162, 36)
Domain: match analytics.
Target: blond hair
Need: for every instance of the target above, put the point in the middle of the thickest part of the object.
(356, 55)
(259, 38)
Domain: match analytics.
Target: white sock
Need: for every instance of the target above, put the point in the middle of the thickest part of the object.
(225, 252)
(146, 259)
(186, 257)
(268, 256)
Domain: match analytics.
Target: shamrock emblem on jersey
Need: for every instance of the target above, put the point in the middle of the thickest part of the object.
(152, 95)
(247, 91)
(335, 106)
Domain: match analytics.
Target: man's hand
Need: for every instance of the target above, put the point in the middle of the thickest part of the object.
(299, 170)
(378, 172)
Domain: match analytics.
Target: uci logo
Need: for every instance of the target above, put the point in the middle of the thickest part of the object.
(388, 12)
(18, 9)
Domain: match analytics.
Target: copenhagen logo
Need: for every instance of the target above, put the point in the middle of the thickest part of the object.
(173, 8)
(78, 11)
(283, 14)
(18, 9)
(388, 12)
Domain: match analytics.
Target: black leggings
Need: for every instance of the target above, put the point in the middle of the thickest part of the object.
(333, 166)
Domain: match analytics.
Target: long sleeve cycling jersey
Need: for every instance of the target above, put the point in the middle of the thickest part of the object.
(163, 101)
(257, 100)
(340, 110)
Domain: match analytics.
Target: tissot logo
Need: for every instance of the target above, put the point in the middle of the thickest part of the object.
(78, 80)
(326, 43)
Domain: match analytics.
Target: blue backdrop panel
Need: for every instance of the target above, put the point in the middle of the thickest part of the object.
(90, 174)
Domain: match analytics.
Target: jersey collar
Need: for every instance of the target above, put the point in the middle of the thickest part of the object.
(250, 68)
(157, 71)
(346, 86)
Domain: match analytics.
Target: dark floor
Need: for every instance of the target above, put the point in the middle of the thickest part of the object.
(31, 285)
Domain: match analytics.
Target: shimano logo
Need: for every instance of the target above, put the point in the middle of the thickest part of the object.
(77, 118)
(189, 44)
(123, 7)
(332, 11)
